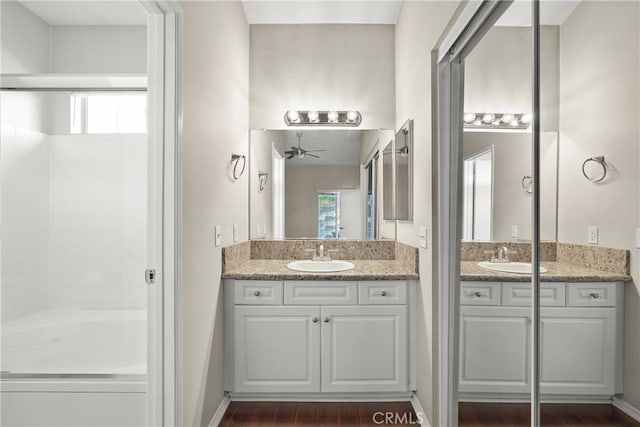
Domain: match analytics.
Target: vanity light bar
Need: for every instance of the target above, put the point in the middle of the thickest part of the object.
(496, 120)
(322, 118)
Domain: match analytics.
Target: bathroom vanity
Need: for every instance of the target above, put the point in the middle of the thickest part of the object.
(292, 334)
(581, 331)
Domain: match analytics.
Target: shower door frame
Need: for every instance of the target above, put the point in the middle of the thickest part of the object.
(164, 104)
(470, 23)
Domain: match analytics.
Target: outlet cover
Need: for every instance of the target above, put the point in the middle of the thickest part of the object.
(236, 232)
(638, 238)
(514, 231)
(422, 237)
(217, 232)
(592, 235)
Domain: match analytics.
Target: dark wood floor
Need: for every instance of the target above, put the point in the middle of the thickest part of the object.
(310, 414)
(552, 415)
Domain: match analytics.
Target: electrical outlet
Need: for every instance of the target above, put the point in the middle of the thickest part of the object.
(592, 234)
(217, 232)
(236, 232)
(422, 237)
(638, 238)
(514, 231)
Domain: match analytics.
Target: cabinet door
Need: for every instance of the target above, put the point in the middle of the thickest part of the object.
(277, 349)
(494, 349)
(364, 349)
(578, 350)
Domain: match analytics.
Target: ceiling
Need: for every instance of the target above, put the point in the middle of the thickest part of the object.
(343, 146)
(552, 12)
(102, 12)
(322, 12)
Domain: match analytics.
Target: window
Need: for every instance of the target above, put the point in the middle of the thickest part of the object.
(107, 113)
(328, 215)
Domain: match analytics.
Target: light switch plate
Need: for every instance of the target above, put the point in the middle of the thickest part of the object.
(514, 231)
(592, 234)
(422, 237)
(236, 232)
(217, 232)
(638, 238)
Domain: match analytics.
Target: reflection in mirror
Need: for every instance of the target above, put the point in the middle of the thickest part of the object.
(388, 204)
(324, 184)
(404, 172)
(496, 196)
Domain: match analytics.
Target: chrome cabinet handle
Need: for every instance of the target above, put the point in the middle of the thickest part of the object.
(326, 320)
(257, 293)
(383, 293)
(314, 319)
(594, 295)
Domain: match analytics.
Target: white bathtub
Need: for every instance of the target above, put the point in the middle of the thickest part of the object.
(77, 367)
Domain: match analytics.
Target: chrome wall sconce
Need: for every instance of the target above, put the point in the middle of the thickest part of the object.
(322, 118)
(236, 170)
(496, 120)
(263, 178)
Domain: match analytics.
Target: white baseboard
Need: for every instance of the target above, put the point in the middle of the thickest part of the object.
(417, 407)
(222, 408)
(626, 407)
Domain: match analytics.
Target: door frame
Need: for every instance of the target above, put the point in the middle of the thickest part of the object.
(164, 387)
(469, 24)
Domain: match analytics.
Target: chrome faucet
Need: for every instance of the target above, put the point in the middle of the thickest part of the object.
(321, 254)
(500, 255)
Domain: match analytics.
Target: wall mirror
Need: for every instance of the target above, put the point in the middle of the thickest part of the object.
(404, 172)
(321, 184)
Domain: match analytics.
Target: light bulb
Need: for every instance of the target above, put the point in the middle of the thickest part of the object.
(332, 116)
(488, 118)
(477, 122)
(515, 122)
(313, 116)
(469, 117)
(508, 118)
(293, 116)
(526, 118)
(352, 116)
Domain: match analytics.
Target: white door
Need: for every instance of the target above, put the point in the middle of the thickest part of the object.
(494, 349)
(364, 349)
(351, 214)
(578, 350)
(277, 349)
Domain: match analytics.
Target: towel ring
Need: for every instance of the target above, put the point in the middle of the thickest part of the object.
(527, 182)
(263, 177)
(235, 159)
(599, 160)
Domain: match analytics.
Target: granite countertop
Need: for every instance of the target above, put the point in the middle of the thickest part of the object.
(558, 272)
(267, 269)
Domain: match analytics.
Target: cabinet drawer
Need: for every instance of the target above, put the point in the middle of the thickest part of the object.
(519, 294)
(591, 294)
(329, 292)
(480, 293)
(258, 292)
(383, 293)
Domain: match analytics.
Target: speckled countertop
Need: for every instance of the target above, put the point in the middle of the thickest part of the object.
(268, 269)
(558, 272)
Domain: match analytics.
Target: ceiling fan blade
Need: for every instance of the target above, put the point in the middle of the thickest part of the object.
(313, 151)
(290, 156)
(313, 155)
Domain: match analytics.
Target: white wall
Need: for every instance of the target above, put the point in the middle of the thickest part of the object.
(498, 74)
(216, 111)
(417, 31)
(25, 40)
(99, 49)
(599, 113)
(322, 67)
(301, 203)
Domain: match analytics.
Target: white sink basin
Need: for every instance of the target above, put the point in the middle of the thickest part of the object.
(319, 266)
(510, 267)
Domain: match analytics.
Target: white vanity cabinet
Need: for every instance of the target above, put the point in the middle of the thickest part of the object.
(286, 337)
(580, 332)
